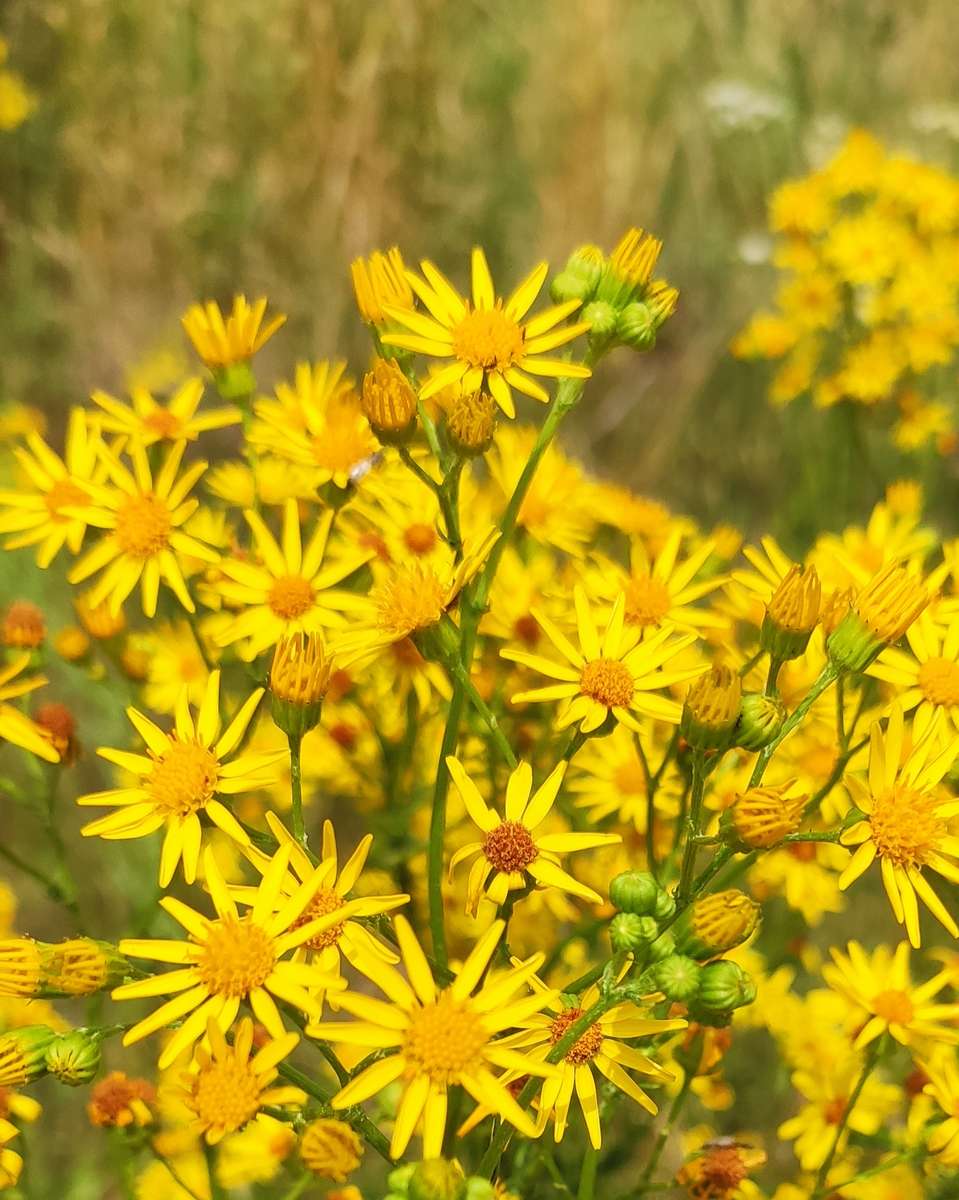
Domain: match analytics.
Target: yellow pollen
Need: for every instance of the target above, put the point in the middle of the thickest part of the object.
(184, 778)
(411, 598)
(290, 597)
(894, 1006)
(939, 681)
(905, 827)
(226, 1093)
(163, 423)
(143, 525)
(608, 682)
(420, 538)
(444, 1039)
(64, 494)
(647, 601)
(236, 957)
(324, 901)
(585, 1048)
(488, 338)
(510, 847)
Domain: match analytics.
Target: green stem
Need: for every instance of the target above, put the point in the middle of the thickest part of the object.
(662, 1137)
(353, 1116)
(438, 825)
(827, 677)
(693, 822)
(868, 1067)
(461, 674)
(587, 1174)
(296, 785)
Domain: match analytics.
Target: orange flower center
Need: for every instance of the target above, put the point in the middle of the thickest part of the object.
(904, 825)
(894, 1006)
(420, 538)
(64, 494)
(343, 444)
(324, 901)
(444, 1039)
(510, 847)
(236, 957)
(163, 423)
(939, 681)
(184, 778)
(143, 525)
(607, 681)
(488, 338)
(647, 601)
(225, 1093)
(585, 1048)
(290, 597)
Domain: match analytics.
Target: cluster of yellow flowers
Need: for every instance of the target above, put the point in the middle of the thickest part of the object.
(402, 618)
(868, 311)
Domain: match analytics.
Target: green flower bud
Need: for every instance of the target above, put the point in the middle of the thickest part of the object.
(634, 892)
(677, 977)
(580, 276)
(879, 616)
(636, 326)
(663, 947)
(399, 1180)
(723, 987)
(602, 319)
(628, 931)
(711, 709)
(437, 1179)
(235, 381)
(23, 1054)
(716, 923)
(479, 1189)
(665, 906)
(74, 1058)
(760, 720)
(569, 286)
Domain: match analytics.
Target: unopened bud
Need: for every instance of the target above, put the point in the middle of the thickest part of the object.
(711, 709)
(634, 892)
(677, 977)
(74, 1058)
(388, 402)
(299, 678)
(437, 1179)
(23, 1054)
(723, 987)
(761, 719)
(627, 931)
(791, 614)
(763, 816)
(879, 616)
(636, 326)
(330, 1149)
(716, 923)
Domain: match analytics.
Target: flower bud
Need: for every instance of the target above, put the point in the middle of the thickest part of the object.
(99, 621)
(580, 276)
(77, 967)
(664, 906)
(677, 977)
(661, 298)
(22, 626)
(791, 614)
(636, 326)
(723, 987)
(629, 268)
(602, 319)
(627, 931)
(482, 1189)
(711, 709)
(634, 892)
(72, 644)
(380, 282)
(388, 402)
(299, 678)
(22, 1054)
(716, 923)
(760, 720)
(329, 1148)
(879, 616)
(398, 1180)
(663, 947)
(74, 1058)
(235, 381)
(763, 816)
(437, 1179)
(834, 608)
(471, 423)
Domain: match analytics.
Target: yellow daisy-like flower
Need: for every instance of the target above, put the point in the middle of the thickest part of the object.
(226, 1088)
(440, 1037)
(147, 421)
(491, 341)
(927, 680)
(881, 992)
(143, 515)
(613, 676)
(316, 423)
(180, 777)
(602, 1047)
(16, 728)
(229, 959)
(610, 779)
(219, 342)
(331, 895)
(905, 821)
(511, 851)
(407, 598)
(42, 515)
(289, 590)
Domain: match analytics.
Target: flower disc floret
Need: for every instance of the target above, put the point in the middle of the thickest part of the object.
(184, 778)
(325, 900)
(237, 956)
(607, 681)
(444, 1040)
(226, 1093)
(510, 847)
(938, 680)
(144, 523)
(905, 827)
(488, 339)
(290, 597)
(586, 1047)
(647, 601)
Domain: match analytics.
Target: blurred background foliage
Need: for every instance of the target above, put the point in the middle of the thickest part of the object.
(197, 147)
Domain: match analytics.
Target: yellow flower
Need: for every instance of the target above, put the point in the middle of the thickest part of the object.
(603, 1047)
(905, 821)
(16, 728)
(614, 676)
(117, 1101)
(289, 591)
(380, 282)
(229, 959)
(440, 1038)
(943, 1086)
(492, 343)
(147, 421)
(927, 679)
(256, 1154)
(225, 1089)
(11, 1163)
(43, 513)
(511, 851)
(332, 885)
(143, 514)
(222, 343)
(180, 777)
(609, 779)
(882, 995)
(175, 662)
